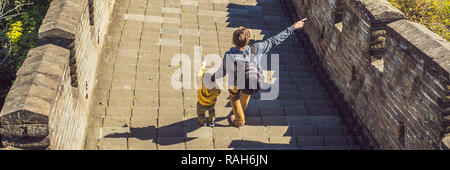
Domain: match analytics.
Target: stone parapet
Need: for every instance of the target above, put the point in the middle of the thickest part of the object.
(24, 116)
(48, 105)
(390, 74)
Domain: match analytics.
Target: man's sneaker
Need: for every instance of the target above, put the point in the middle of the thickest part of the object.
(212, 123)
(232, 121)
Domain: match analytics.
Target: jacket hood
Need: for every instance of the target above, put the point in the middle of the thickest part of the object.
(234, 50)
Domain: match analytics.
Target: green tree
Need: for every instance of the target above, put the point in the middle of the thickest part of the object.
(434, 14)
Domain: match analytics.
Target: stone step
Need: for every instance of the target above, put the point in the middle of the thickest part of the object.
(331, 148)
(265, 143)
(319, 131)
(294, 61)
(306, 82)
(294, 75)
(319, 102)
(313, 121)
(289, 95)
(286, 110)
(314, 95)
(322, 110)
(321, 141)
(302, 117)
(275, 103)
(311, 89)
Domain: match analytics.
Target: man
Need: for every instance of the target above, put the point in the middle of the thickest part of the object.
(240, 56)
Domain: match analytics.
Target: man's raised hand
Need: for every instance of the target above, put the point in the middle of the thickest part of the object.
(300, 24)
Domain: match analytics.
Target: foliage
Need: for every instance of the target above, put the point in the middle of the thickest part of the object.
(434, 14)
(22, 28)
(10, 10)
(15, 32)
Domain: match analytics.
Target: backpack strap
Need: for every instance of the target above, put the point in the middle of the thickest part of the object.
(252, 53)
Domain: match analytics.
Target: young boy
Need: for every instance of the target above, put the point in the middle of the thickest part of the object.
(206, 100)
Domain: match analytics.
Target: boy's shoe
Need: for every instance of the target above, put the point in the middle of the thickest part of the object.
(202, 125)
(212, 123)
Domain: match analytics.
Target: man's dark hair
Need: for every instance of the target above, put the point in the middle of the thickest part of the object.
(241, 37)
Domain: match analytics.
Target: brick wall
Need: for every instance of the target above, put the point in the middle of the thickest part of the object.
(74, 32)
(391, 74)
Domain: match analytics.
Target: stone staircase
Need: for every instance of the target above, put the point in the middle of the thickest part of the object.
(135, 106)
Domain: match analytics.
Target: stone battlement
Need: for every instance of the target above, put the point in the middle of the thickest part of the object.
(48, 105)
(391, 73)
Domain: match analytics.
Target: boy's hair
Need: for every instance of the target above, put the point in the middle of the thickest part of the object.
(241, 37)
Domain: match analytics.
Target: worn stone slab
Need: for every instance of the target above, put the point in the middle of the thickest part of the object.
(227, 142)
(330, 130)
(123, 84)
(147, 68)
(200, 143)
(254, 121)
(304, 131)
(116, 121)
(272, 111)
(114, 132)
(274, 120)
(125, 75)
(146, 94)
(202, 132)
(335, 140)
(327, 120)
(113, 144)
(310, 141)
(296, 111)
(279, 131)
(145, 103)
(170, 121)
(314, 148)
(143, 121)
(171, 10)
(253, 131)
(190, 112)
(227, 131)
(91, 143)
(277, 142)
(145, 112)
(301, 120)
(170, 102)
(143, 133)
(121, 102)
(171, 112)
(171, 143)
(118, 111)
(256, 142)
(138, 144)
(171, 94)
(121, 93)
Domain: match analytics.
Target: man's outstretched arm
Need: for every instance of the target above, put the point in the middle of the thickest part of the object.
(265, 46)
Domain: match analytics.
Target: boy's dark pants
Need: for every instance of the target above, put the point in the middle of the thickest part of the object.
(201, 110)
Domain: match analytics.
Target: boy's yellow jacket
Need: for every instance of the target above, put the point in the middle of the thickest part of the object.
(207, 97)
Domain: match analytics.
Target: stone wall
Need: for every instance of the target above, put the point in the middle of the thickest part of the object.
(390, 74)
(48, 105)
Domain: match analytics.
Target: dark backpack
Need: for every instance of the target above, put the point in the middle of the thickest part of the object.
(253, 72)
